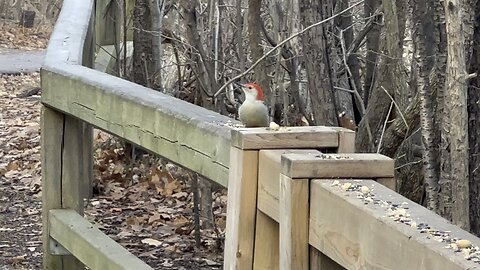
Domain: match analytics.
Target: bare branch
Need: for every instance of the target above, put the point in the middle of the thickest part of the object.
(281, 44)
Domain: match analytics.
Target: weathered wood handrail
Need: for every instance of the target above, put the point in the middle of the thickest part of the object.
(189, 135)
(307, 220)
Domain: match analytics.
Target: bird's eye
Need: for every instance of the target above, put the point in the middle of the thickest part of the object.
(250, 87)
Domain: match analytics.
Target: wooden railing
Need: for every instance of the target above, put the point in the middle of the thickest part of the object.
(280, 216)
(338, 211)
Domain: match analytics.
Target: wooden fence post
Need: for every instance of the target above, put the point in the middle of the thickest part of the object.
(88, 61)
(63, 141)
(241, 247)
(266, 253)
(293, 220)
(241, 209)
(52, 138)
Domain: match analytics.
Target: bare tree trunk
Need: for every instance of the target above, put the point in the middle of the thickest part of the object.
(238, 36)
(318, 63)
(401, 6)
(342, 74)
(353, 63)
(389, 84)
(456, 98)
(156, 7)
(373, 38)
(424, 40)
(393, 43)
(474, 129)
(202, 65)
(143, 68)
(255, 41)
(286, 14)
(445, 195)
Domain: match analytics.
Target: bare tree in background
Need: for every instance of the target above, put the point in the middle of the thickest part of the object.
(143, 64)
(318, 68)
(474, 128)
(456, 107)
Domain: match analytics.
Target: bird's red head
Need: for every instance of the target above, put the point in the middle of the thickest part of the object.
(251, 87)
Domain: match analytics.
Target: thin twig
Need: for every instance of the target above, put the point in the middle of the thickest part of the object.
(398, 108)
(281, 44)
(410, 163)
(384, 127)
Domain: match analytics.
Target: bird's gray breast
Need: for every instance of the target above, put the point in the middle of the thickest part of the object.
(253, 114)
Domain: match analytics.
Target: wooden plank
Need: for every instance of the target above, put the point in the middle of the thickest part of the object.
(88, 60)
(319, 261)
(51, 141)
(73, 171)
(266, 255)
(61, 176)
(191, 136)
(73, 175)
(337, 166)
(364, 236)
(286, 137)
(389, 182)
(87, 138)
(67, 41)
(96, 250)
(269, 162)
(294, 212)
(241, 209)
(346, 140)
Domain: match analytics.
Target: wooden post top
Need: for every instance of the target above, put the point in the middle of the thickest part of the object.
(354, 165)
(287, 137)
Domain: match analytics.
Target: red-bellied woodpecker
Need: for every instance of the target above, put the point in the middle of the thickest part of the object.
(252, 112)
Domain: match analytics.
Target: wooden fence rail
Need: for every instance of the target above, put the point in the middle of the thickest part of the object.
(281, 214)
(334, 211)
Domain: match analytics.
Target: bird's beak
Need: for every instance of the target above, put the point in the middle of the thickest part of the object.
(238, 84)
(239, 87)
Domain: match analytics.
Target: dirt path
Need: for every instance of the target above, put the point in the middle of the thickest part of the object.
(20, 61)
(20, 196)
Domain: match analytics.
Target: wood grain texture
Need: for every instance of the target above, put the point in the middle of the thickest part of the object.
(241, 210)
(269, 168)
(346, 140)
(90, 245)
(362, 236)
(62, 175)
(293, 220)
(51, 147)
(73, 174)
(319, 261)
(266, 255)
(87, 138)
(389, 182)
(88, 60)
(286, 137)
(337, 166)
